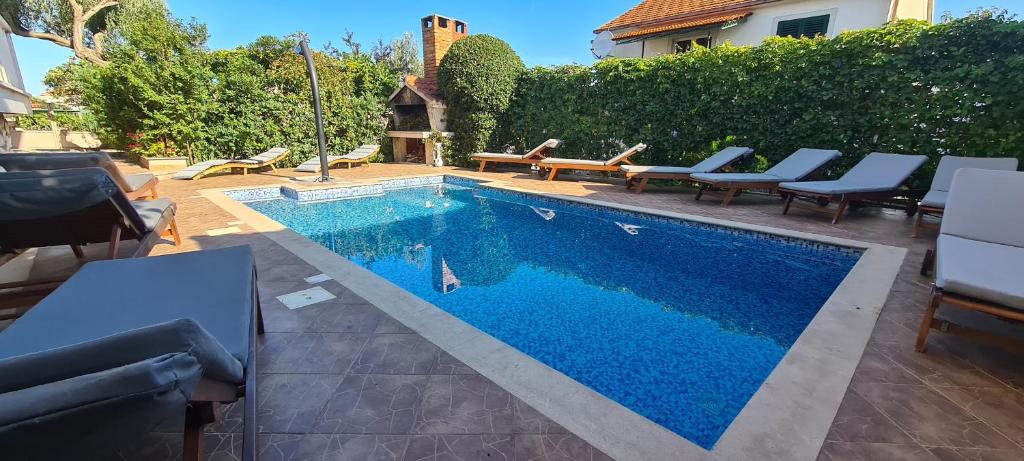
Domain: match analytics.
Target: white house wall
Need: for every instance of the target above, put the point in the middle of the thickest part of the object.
(845, 15)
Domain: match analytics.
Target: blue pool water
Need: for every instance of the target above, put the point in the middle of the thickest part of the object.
(680, 322)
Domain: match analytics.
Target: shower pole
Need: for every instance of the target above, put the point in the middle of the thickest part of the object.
(325, 174)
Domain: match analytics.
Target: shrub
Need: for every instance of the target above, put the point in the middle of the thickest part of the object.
(909, 87)
(477, 78)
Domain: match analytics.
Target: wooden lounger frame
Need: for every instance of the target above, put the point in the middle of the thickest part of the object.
(733, 188)
(920, 223)
(843, 199)
(203, 406)
(644, 177)
(535, 160)
(146, 191)
(245, 167)
(930, 322)
(553, 168)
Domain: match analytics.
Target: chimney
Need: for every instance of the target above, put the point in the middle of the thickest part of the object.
(439, 33)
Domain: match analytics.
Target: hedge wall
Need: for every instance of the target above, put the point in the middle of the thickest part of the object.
(952, 88)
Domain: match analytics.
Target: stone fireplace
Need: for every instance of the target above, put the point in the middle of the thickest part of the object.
(417, 108)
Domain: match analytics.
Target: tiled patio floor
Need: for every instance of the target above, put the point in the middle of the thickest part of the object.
(342, 380)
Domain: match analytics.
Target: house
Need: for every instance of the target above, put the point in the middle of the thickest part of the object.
(417, 108)
(14, 100)
(657, 27)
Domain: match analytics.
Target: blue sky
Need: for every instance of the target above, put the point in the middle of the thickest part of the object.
(542, 31)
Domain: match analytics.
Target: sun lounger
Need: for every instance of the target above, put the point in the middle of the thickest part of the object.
(127, 346)
(266, 159)
(76, 207)
(796, 167)
(717, 162)
(135, 186)
(877, 177)
(980, 253)
(935, 200)
(553, 165)
(532, 157)
(361, 154)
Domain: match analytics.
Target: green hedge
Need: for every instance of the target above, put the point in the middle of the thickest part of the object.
(952, 88)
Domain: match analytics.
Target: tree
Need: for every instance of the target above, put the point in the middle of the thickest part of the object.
(81, 25)
(402, 55)
(477, 77)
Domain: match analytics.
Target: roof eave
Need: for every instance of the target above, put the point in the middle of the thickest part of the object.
(680, 17)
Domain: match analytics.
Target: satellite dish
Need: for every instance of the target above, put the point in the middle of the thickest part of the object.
(602, 44)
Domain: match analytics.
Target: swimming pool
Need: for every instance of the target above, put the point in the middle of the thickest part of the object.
(680, 322)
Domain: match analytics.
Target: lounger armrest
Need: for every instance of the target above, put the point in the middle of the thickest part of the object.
(176, 336)
(101, 395)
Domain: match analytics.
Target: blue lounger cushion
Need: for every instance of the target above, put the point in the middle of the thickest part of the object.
(716, 162)
(177, 336)
(877, 172)
(797, 166)
(91, 305)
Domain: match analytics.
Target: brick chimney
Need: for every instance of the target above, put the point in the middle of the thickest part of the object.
(439, 33)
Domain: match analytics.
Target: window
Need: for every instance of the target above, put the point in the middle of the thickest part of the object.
(683, 46)
(804, 27)
(442, 23)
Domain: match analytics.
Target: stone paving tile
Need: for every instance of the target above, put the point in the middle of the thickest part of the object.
(417, 404)
(851, 451)
(309, 352)
(556, 447)
(298, 447)
(970, 454)
(997, 407)
(406, 354)
(859, 421)
(929, 418)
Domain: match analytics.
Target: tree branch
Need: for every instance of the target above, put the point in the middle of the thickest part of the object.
(99, 6)
(16, 29)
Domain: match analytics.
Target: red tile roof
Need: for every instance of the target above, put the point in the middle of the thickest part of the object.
(650, 12)
(681, 25)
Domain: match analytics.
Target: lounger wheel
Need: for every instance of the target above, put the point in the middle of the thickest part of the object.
(911, 209)
(822, 202)
(928, 263)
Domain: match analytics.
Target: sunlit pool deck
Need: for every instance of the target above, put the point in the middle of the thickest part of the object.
(352, 376)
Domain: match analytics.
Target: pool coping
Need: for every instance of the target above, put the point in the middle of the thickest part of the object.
(788, 417)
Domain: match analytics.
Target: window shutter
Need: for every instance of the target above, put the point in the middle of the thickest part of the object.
(789, 29)
(817, 25)
(804, 27)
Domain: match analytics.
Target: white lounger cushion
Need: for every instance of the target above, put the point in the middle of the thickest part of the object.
(713, 163)
(612, 161)
(360, 153)
(572, 161)
(489, 155)
(985, 205)
(194, 170)
(266, 157)
(935, 199)
(980, 252)
(680, 170)
(716, 178)
(987, 271)
(546, 145)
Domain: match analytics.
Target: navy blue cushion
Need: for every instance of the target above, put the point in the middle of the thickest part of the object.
(214, 288)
